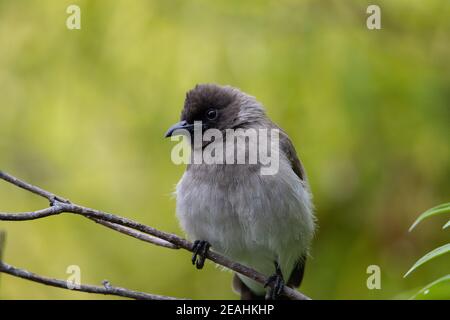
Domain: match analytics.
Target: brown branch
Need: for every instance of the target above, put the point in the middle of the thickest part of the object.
(106, 289)
(2, 243)
(130, 227)
(136, 234)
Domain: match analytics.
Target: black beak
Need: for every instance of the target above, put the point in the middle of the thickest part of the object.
(182, 125)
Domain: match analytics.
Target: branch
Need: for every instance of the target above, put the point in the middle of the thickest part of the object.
(107, 289)
(2, 243)
(130, 227)
(136, 234)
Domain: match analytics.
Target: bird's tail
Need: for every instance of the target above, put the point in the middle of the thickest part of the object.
(246, 294)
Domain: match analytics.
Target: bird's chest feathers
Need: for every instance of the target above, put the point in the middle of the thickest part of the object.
(237, 209)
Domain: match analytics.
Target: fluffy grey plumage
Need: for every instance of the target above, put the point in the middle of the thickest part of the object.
(252, 218)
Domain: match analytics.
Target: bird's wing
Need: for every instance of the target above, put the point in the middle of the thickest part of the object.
(288, 149)
(296, 277)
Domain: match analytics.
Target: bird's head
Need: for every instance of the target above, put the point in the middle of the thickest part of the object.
(217, 107)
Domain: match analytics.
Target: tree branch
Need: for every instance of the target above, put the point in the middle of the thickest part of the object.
(2, 243)
(130, 227)
(136, 234)
(107, 289)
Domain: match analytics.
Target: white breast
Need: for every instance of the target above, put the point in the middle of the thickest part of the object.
(252, 218)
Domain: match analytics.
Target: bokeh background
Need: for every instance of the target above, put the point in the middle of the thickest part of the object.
(83, 114)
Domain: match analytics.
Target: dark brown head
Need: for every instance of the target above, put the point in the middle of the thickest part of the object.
(218, 107)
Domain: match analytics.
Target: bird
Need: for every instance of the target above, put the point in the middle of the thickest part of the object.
(263, 221)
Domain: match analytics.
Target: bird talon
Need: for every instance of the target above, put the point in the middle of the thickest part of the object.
(275, 283)
(199, 252)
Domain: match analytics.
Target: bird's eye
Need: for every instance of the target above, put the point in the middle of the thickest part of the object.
(211, 114)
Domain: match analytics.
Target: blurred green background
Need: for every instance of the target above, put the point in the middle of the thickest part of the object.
(83, 114)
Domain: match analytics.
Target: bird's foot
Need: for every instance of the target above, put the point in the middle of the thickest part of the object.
(200, 250)
(275, 283)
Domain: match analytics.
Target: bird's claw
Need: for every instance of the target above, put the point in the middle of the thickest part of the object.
(275, 283)
(200, 249)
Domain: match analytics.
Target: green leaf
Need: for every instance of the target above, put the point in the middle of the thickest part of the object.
(429, 256)
(425, 290)
(440, 209)
(446, 225)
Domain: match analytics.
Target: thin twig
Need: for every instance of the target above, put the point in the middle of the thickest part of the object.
(31, 215)
(106, 289)
(36, 190)
(129, 227)
(137, 234)
(2, 243)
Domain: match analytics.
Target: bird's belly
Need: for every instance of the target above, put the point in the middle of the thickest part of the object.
(253, 219)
